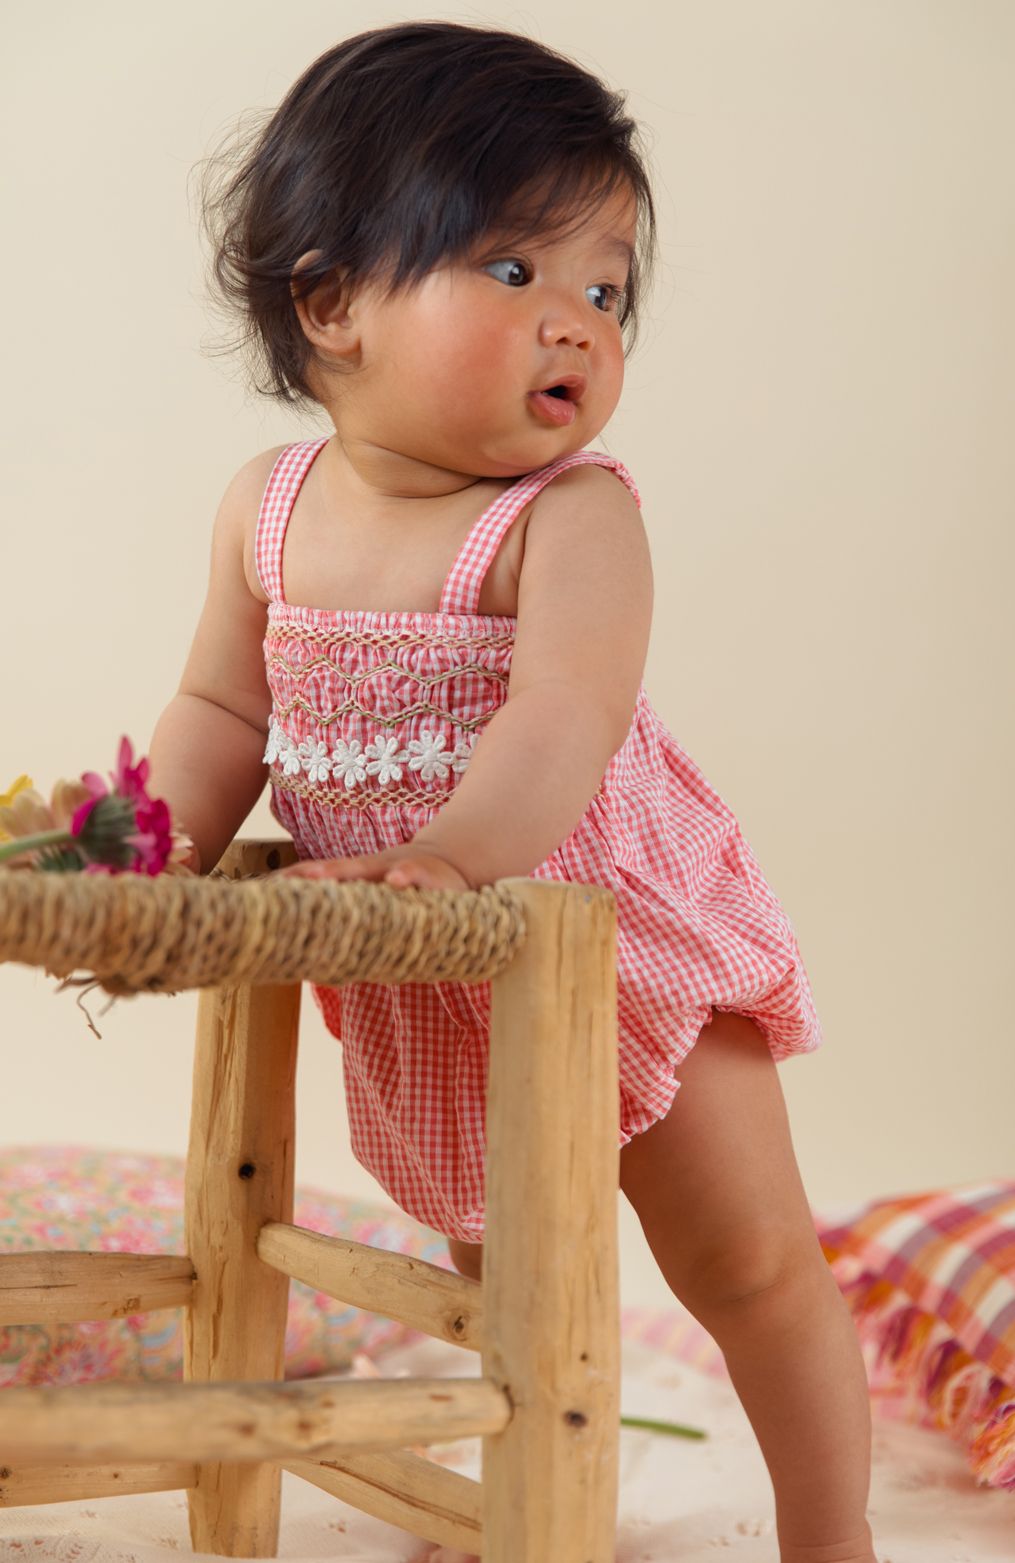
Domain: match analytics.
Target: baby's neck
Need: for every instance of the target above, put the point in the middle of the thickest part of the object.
(372, 478)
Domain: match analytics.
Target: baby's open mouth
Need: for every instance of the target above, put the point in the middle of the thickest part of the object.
(569, 388)
(558, 404)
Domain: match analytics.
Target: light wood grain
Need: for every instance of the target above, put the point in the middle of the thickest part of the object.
(414, 1292)
(550, 1266)
(57, 1287)
(239, 1176)
(404, 1489)
(102, 1423)
(22, 1484)
(247, 856)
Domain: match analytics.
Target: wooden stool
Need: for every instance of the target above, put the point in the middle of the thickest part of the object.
(544, 1318)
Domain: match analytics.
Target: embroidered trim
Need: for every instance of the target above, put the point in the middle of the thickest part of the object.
(372, 798)
(276, 660)
(382, 637)
(351, 763)
(285, 708)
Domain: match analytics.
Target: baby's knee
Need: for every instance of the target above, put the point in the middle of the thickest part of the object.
(467, 1258)
(761, 1260)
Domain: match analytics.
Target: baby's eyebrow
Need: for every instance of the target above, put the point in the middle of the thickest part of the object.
(619, 247)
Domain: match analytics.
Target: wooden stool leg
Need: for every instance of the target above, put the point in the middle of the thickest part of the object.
(239, 1175)
(550, 1267)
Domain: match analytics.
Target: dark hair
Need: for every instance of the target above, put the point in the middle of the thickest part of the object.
(398, 150)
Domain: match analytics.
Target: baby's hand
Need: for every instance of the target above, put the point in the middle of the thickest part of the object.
(399, 867)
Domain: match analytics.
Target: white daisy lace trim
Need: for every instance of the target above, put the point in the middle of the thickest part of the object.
(382, 759)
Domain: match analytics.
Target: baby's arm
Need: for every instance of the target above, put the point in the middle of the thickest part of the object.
(207, 749)
(584, 618)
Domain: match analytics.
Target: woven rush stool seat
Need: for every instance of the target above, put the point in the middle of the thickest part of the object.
(544, 1318)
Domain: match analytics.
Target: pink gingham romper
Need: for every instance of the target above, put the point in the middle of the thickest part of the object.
(375, 716)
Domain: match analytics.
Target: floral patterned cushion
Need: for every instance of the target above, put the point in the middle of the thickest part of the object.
(76, 1198)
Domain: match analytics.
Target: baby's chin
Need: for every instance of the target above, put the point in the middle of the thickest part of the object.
(514, 456)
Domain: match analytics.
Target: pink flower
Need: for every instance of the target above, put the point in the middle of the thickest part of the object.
(110, 832)
(153, 839)
(123, 829)
(129, 781)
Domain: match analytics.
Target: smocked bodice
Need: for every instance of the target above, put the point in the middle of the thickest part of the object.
(374, 709)
(369, 710)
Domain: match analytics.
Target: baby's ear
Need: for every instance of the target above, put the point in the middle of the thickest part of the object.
(324, 310)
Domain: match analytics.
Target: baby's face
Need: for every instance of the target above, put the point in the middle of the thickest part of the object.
(449, 373)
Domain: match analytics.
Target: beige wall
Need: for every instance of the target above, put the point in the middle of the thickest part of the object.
(819, 417)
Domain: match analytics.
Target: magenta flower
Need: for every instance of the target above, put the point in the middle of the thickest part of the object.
(153, 839)
(127, 781)
(111, 831)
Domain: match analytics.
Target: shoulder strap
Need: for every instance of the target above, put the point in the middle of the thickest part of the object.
(462, 587)
(280, 492)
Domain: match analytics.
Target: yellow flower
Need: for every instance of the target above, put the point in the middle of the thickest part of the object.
(13, 790)
(23, 784)
(26, 815)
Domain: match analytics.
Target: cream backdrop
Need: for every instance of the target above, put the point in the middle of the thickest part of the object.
(819, 415)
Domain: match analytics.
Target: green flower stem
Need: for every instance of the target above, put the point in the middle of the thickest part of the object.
(45, 838)
(675, 1428)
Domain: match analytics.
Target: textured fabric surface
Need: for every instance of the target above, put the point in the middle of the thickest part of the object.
(930, 1279)
(375, 717)
(77, 1199)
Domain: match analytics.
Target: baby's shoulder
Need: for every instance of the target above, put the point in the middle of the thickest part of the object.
(573, 499)
(587, 512)
(608, 475)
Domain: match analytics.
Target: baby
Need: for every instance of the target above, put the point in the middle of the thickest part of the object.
(428, 630)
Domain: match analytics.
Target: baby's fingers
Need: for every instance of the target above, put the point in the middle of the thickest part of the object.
(332, 868)
(405, 874)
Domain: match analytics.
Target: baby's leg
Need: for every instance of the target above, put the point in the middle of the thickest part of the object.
(467, 1258)
(716, 1187)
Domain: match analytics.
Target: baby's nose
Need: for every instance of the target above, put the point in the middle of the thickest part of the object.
(563, 326)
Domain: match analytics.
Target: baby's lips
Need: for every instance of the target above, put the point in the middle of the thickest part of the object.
(574, 385)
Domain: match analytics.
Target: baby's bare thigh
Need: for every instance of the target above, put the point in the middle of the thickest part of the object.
(715, 1183)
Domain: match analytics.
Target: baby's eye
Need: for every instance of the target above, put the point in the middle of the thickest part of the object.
(613, 294)
(512, 265)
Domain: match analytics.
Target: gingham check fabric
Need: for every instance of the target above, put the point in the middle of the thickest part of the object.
(375, 717)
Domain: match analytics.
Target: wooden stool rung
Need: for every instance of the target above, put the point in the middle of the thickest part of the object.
(244, 1422)
(56, 1287)
(21, 1485)
(414, 1292)
(404, 1489)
